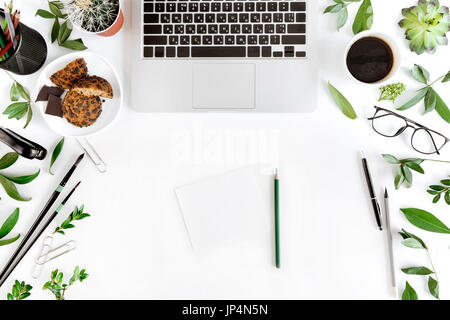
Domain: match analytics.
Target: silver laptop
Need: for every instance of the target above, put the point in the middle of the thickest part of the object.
(224, 55)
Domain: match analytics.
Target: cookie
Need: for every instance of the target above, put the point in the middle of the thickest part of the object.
(94, 86)
(71, 73)
(81, 110)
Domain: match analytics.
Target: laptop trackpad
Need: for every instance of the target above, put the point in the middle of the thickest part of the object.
(223, 86)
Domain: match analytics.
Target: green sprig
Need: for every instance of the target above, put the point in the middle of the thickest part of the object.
(61, 32)
(432, 99)
(20, 291)
(438, 190)
(18, 109)
(412, 241)
(7, 227)
(58, 288)
(363, 19)
(77, 214)
(404, 173)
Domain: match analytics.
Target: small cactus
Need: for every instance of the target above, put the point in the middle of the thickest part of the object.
(93, 15)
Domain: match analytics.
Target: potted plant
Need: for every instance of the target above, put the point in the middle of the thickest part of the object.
(102, 17)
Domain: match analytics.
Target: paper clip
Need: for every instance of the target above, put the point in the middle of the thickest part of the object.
(45, 248)
(92, 154)
(56, 252)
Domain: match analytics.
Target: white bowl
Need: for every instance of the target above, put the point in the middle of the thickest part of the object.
(97, 65)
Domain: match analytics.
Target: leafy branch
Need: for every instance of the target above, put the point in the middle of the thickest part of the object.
(61, 32)
(77, 214)
(58, 288)
(18, 109)
(9, 182)
(363, 19)
(7, 226)
(20, 291)
(55, 154)
(412, 241)
(432, 99)
(438, 190)
(404, 173)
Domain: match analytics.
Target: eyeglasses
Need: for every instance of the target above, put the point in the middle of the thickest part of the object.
(423, 140)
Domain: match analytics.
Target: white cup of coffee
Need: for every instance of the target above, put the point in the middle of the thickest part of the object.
(372, 58)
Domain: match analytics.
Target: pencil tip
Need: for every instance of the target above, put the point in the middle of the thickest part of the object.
(362, 154)
(381, 229)
(386, 195)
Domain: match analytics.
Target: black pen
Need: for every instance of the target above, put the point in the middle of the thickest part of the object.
(373, 197)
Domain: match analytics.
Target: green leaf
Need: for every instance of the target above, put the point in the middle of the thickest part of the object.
(10, 296)
(334, 8)
(407, 174)
(408, 235)
(29, 116)
(55, 9)
(8, 241)
(421, 271)
(342, 18)
(425, 220)
(447, 77)
(54, 273)
(446, 182)
(436, 198)
(415, 100)
(447, 197)
(8, 160)
(342, 102)
(76, 44)
(364, 17)
(414, 166)
(13, 93)
(420, 74)
(442, 108)
(432, 192)
(412, 243)
(437, 187)
(11, 189)
(409, 293)
(16, 110)
(433, 286)
(55, 154)
(430, 101)
(55, 30)
(399, 178)
(9, 223)
(45, 14)
(391, 159)
(64, 32)
(23, 92)
(23, 179)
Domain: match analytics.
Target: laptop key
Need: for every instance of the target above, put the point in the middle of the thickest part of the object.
(266, 52)
(159, 52)
(244, 17)
(253, 52)
(277, 54)
(289, 51)
(184, 40)
(152, 29)
(210, 18)
(296, 28)
(176, 18)
(260, 6)
(217, 52)
(269, 28)
(300, 54)
(288, 17)
(215, 7)
(170, 52)
(255, 17)
(266, 17)
(213, 28)
(272, 6)
(168, 29)
(148, 52)
(199, 18)
(218, 40)
(221, 17)
(148, 7)
(173, 40)
(300, 17)
(190, 28)
(232, 17)
(207, 40)
(182, 7)
(201, 28)
(252, 40)
(183, 52)
(241, 39)
(196, 40)
(257, 28)
(224, 28)
(159, 7)
(238, 7)
(277, 17)
(298, 6)
(280, 28)
(229, 39)
(204, 7)
(151, 18)
(284, 6)
(235, 28)
(291, 39)
(246, 28)
(187, 18)
(165, 18)
(193, 7)
(275, 39)
(264, 39)
(249, 6)
(227, 7)
(152, 40)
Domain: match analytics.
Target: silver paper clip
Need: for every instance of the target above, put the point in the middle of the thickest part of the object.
(56, 252)
(92, 154)
(45, 248)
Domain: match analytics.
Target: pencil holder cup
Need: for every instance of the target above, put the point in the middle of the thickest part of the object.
(30, 54)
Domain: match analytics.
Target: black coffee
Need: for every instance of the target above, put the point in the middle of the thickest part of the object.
(370, 59)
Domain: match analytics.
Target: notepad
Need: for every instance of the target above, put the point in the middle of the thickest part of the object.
(229, 211)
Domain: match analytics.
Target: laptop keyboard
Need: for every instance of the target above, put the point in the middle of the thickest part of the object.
(224, 29)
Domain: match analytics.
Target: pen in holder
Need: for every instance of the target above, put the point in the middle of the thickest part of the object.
(30, 53)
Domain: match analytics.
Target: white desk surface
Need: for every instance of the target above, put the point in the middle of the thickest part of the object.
(135, 245)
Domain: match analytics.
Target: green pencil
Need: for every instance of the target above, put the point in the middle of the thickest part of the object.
(277, 221)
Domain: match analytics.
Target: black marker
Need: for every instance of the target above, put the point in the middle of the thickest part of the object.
(373, 197)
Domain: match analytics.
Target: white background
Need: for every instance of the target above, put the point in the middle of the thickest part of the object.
(135, 245)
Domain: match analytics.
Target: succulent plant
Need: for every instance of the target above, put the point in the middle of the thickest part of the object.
(93, 15)
(426, 25)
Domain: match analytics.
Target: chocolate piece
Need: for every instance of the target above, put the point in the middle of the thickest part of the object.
(46, 91)
(54, 106)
